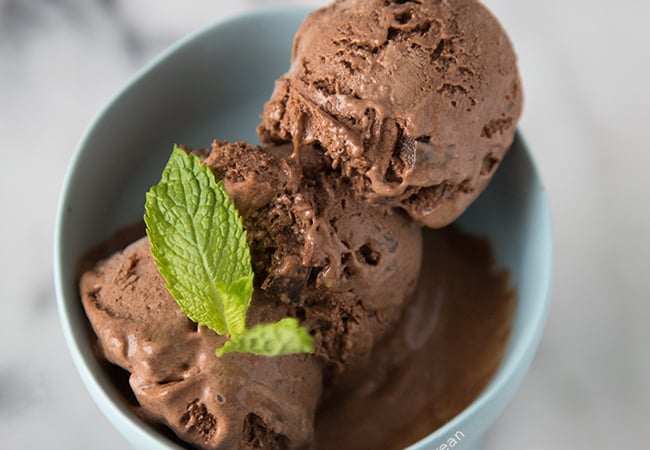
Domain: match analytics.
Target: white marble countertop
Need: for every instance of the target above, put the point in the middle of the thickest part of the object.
(585, 67)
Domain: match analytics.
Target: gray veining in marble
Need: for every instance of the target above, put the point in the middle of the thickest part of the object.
(585, 67)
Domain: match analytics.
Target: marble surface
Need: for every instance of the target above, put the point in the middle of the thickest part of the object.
(585, 67)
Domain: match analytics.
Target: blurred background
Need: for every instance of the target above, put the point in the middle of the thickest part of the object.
(585, 67)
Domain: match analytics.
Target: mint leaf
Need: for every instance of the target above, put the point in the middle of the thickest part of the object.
(280, 338)
(199, 244)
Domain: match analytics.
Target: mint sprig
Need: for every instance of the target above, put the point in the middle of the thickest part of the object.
(199, 244)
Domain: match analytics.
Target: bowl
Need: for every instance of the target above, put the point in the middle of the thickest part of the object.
(214, 83)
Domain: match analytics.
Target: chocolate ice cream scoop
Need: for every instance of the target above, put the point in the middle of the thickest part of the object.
(345, 267)
(415, 102)
(235, 401)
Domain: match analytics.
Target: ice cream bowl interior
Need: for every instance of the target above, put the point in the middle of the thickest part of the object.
(213, 84)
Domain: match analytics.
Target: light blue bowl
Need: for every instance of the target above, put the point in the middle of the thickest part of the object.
(214, 84)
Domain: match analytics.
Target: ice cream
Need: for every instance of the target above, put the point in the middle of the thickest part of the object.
(393, 115)
(236, 401)
(415, 101)
(442, 353)
(312, 262)
(346, 268)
